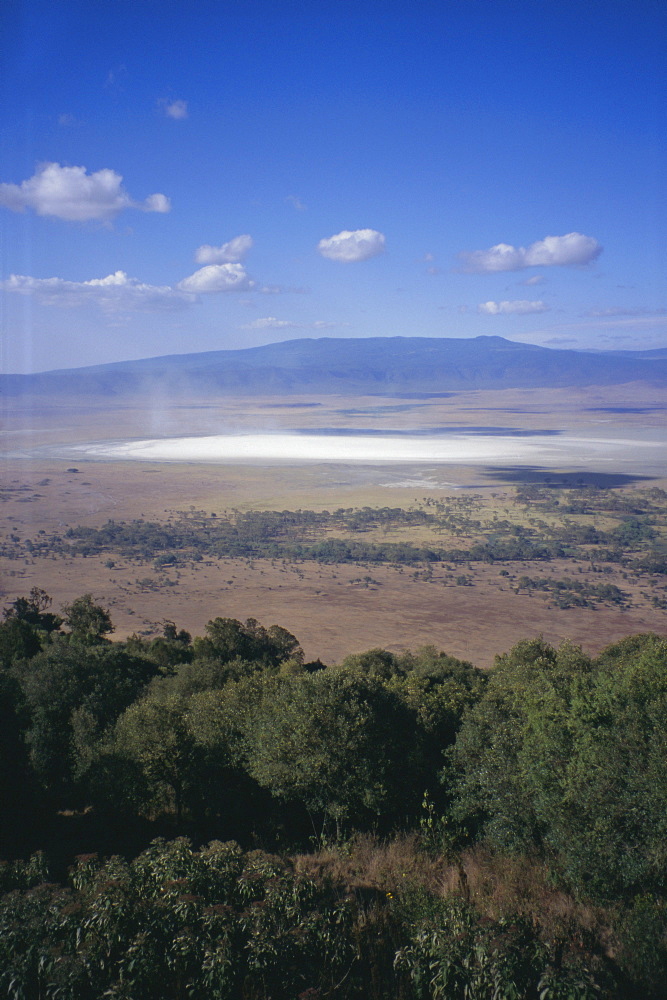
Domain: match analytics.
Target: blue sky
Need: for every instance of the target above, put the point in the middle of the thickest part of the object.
(192, 175)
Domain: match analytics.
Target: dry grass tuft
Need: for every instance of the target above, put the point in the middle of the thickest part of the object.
(496, 884)
(500, 884)
(367, 862)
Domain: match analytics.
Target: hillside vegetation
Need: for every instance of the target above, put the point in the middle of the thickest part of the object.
(401, 826)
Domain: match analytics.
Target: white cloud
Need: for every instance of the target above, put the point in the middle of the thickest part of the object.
(620, 311)
(228, 253)
(535, 279)
(271, 323)
(563, 251)
(115, 293)
(73, 194)
(296, 203)
(520, 307)
(217, 278)
(177, 110)
(347, 246)
(155, 203)
(571, 250)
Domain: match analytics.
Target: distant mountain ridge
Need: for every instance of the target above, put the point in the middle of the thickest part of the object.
(351, 366)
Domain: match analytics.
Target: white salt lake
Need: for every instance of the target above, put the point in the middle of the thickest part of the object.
(644, 451)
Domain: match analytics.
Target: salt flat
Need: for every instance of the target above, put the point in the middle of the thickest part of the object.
(575, 450)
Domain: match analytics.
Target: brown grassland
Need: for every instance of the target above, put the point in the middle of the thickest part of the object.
(333, 609)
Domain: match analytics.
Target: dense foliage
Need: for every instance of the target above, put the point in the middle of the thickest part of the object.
(221, 924)
(553, 759)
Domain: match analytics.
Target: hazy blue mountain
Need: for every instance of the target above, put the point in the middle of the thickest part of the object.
(338, 365)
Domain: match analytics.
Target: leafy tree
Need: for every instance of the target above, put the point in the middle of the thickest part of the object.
(65, 677)
(33, 611)
(27, 626)
(568, 757)
(170, 632)
(228, 638)
(19, 640)
(88, 622)
(17, 786)
(611, 831)
(513, 743)
(186, 755)
(337, 743)
(207, 675)
(437, 689)
(168, 650)
(220, 721)
(153, 735)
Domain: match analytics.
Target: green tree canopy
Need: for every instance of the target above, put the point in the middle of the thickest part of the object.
(338, 743)
(66, 677)
(227, 638)
(88, 622)
(568, 756)
(33, 610)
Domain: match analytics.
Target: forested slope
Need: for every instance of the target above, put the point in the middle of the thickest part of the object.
(467, 834)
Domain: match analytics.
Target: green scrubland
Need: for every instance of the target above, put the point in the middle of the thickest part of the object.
(216, 818)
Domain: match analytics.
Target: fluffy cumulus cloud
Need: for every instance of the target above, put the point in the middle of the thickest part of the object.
(118, 292)
(228, 253)
(217, 278)
(176, 110)
(71, 193)
(115, 293)
(350, 246)
(571, 250)
(519, 306)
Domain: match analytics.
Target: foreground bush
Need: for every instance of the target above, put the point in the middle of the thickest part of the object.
(220, 924)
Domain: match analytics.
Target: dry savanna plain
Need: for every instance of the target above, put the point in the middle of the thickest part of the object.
(547, 516)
